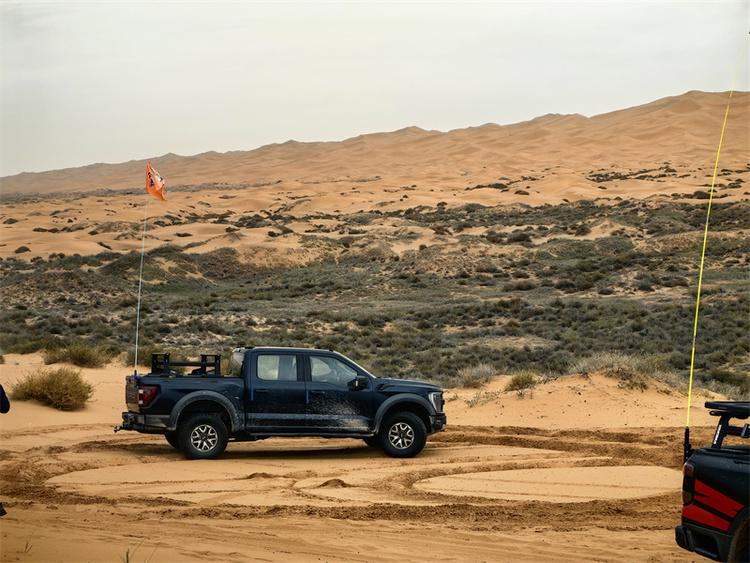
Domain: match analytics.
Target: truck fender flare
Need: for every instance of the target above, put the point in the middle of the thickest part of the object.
(739, 520)
(406, 398)
(212, 396)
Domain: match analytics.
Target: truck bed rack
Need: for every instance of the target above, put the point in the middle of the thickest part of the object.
(727, 410)
(208, 366)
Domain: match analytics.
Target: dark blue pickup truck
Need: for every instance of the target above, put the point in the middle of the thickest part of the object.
(716, 489)
(279, 392)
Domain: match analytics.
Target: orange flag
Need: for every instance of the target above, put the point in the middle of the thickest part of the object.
(154, 183)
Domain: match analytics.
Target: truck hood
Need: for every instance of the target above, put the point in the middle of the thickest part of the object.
(381, 384)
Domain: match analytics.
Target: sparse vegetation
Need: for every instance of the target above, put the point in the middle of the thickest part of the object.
(475, 376)
(79, 354)
(531, 295)
(62, 388)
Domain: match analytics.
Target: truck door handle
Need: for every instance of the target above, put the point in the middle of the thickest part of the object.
(317, 392)
(261, 391)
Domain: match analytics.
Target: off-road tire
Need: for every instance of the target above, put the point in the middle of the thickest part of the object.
(403, 435)
(203, 436)
(173, 439)
(739, 549)
(372, 441)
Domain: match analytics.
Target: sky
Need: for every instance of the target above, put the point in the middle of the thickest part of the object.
(90, 82)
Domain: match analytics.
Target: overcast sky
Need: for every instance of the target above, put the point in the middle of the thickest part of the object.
(88, 82)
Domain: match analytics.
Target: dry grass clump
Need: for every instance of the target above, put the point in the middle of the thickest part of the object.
(482, 397)
(62, 388)
(633, 372)
(475, 376)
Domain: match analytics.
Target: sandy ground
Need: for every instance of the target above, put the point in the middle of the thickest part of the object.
(580, 469)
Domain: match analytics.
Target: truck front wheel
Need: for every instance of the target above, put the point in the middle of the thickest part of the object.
(403, 435)
(203, 436)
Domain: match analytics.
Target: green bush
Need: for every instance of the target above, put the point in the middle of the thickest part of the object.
(61, 388)
(79, 354)
(521, 381)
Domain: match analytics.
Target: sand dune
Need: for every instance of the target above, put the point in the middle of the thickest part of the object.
(664, 149)
(450, 160)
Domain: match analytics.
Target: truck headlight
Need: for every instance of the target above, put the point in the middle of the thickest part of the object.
(436, 398)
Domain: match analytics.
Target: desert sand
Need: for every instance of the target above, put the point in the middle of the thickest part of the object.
(580, 469)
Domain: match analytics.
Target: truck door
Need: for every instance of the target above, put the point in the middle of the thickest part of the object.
(334, 404)
(276, 402)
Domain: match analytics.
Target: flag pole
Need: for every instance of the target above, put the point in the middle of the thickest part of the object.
(140, 287)
(155, 187)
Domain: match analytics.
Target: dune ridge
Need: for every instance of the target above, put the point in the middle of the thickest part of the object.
(683, 130)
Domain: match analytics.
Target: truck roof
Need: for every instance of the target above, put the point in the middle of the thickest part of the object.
(280, 348)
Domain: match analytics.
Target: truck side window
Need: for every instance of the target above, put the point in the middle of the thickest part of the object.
(330, 370)
(277, 367)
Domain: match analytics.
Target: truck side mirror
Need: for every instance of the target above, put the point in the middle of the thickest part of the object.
(359, 382)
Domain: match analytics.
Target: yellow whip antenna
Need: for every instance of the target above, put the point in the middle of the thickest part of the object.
(703, 252)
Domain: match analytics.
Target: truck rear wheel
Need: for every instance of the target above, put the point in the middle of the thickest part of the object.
(172, 439)
(403, 435)
(739, 549)
(203, 436)
(372, 441)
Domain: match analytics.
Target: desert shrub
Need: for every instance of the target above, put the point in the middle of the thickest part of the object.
(61, 388)
(519, 238)
(611, 362)
(520, 382)
(736, 379)
(631, 371)
(475, 376)
(525, 285)
(79, 354)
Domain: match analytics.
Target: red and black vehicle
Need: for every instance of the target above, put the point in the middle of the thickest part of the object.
(716, 489)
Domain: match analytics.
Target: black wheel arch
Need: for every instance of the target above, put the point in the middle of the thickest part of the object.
(206, 402)
(408, 403)
(739, 531)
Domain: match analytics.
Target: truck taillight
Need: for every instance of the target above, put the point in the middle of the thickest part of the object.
(688, 483)
(146, 395)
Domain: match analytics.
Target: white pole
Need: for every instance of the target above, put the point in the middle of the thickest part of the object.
(140, 285)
